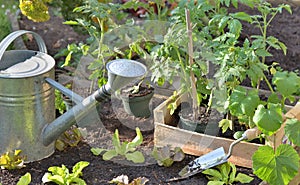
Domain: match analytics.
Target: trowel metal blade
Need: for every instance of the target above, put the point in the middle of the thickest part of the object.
(204, 162)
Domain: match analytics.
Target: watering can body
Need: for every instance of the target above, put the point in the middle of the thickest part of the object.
(26, 101)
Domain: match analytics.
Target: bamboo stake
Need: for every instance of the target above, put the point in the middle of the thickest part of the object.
(191, 62)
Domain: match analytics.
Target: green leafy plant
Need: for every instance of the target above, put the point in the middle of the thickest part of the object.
(276, 167)
(123, 180)
(71, 138)
(126, 149)
(166, 157)
(226, 174)
(25, 179)
(62, 176)
(12, 160)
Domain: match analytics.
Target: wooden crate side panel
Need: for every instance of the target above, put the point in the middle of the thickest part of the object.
(161, 113)
(200, 144)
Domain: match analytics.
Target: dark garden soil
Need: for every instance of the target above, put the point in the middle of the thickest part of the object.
(112, 116)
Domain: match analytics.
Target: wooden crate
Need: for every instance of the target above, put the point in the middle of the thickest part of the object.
(166, 133)
(199, 144)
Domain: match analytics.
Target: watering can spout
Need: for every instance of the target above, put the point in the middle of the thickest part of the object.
(120, 73)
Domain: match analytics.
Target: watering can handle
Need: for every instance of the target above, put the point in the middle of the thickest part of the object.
(12, 36)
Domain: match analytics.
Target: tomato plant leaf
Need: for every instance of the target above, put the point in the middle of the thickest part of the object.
(277, 167)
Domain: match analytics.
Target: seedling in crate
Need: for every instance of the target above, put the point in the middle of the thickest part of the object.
(166, 157)
(12, 160)
(62, 176)
(123, 180)
(126, 149)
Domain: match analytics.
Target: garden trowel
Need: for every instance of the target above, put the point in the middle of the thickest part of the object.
(213, 158)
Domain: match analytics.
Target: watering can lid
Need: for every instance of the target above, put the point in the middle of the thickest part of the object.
(34, 66)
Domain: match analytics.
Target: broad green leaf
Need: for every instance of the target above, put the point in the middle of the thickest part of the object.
(243, 102)
(215, 183)
(56, 179)
(287, 83)
(25, 179)
(277, 167)
(243, 178)
(136, 157)
(213, 174)
(292, 130)
(225, 171)
(109, 155)
(97, 151)
(268, 119)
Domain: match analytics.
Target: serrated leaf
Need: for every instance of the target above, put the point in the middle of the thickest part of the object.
(235, 26)
(268, 119)
(277, 167)
(136, 157)
(292, 130)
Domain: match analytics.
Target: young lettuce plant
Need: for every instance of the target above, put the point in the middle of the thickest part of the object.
(226, 174)
(166, 157)
(126, 149)
(123, 180)
(12, 160)
(62, 176)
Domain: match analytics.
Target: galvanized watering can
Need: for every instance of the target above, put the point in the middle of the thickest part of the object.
(27, 110)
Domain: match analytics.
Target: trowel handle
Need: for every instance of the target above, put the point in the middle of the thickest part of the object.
(12, 36)
(252, 133)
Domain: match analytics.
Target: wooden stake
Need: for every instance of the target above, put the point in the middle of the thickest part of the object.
(191, 62)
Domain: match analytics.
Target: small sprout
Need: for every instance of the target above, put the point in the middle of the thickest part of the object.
(12, 160)
(166, 157)
(62, 176)
(123, 180)
(126, 149)
(70, 137)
